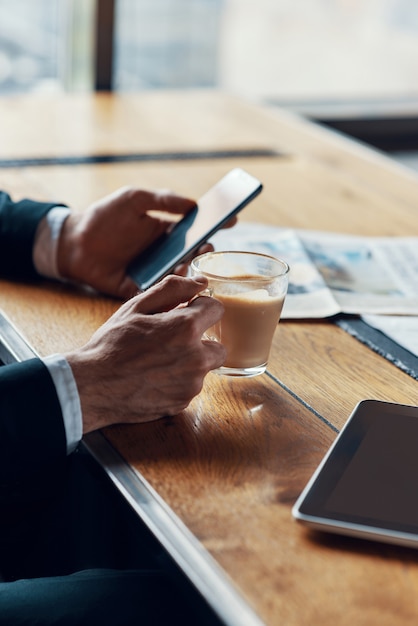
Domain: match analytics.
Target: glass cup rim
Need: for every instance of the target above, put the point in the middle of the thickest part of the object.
(285, 267)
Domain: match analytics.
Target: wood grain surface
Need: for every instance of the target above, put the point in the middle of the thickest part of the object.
(231, 466)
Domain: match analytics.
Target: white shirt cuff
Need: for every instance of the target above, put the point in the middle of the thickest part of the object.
(46, 242)
(69, 399)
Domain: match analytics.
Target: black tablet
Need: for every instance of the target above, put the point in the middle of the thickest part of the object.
(367, 484)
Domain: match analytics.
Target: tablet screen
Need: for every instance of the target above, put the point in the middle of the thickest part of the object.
(370, 476)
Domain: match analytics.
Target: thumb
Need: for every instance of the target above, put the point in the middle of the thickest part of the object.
(169, 293)
(172, 203)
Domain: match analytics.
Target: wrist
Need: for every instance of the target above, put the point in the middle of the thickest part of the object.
(68, 248)
(94, 407)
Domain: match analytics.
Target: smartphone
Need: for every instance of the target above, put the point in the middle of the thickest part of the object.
(218, 205)
(366, 485)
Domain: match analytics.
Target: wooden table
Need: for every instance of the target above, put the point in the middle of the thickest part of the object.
(216, 484)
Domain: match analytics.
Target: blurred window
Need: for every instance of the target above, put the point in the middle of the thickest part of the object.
(289, 51)
(29, 45)
(45, 45)
(167, 43)
(320, 50)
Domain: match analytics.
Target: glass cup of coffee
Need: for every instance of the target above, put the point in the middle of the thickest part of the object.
(252, 287)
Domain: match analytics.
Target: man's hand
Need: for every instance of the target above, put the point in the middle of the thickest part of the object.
(96, 247)
(148, 360)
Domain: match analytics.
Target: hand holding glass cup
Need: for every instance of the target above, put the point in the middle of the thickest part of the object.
(252, 287)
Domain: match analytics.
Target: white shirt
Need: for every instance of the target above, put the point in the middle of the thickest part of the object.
(45, 261)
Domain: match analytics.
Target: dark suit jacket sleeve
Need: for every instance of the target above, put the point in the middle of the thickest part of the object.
(18, 224)
(32, 434)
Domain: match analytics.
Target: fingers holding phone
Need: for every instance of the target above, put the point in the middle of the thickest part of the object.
(216, 209)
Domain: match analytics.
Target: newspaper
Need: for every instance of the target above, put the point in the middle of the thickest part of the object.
(402, 329)
(332, 273)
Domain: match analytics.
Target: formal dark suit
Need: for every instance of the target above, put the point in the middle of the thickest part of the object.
(29, 405)
(71, 550)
